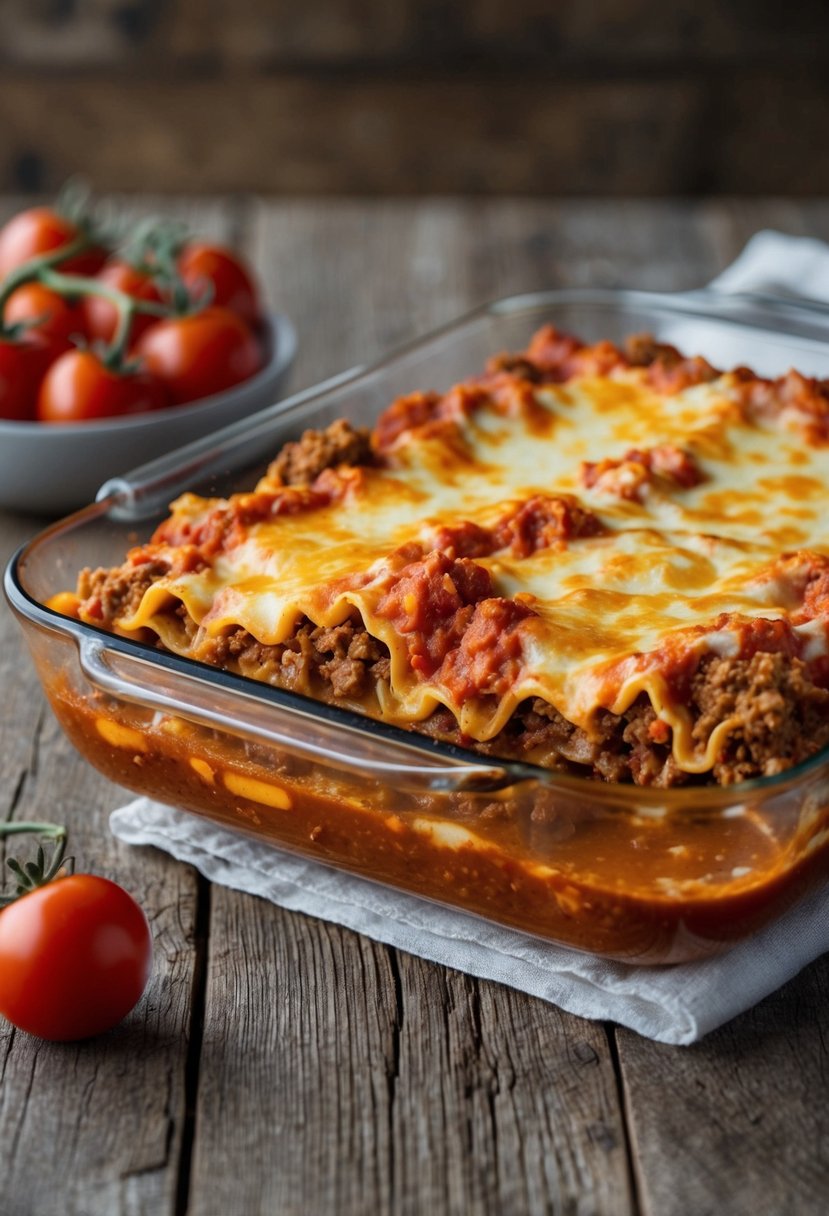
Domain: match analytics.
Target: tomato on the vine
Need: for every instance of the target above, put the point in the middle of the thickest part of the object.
(102, 315)
(22, 365)
(189, 310)
(41, 230)
(75, 957)
(200, 353)
(79, 387)
(221, 275)
(46, 314)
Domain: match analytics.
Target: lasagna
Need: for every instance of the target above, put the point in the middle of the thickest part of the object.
(607, 560)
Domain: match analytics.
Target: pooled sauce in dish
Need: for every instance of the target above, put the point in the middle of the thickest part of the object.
(652, 885)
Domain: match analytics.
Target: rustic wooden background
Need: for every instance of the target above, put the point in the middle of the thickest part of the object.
(417, 96)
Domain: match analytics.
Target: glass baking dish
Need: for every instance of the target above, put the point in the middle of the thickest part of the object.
(655, 876)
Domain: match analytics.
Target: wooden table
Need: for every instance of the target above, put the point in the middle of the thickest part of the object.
(278, 1064)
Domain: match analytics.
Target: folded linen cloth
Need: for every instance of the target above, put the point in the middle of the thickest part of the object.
(776, 264)
(676, 1004)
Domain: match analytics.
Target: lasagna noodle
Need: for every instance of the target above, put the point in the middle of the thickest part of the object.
(676, 508)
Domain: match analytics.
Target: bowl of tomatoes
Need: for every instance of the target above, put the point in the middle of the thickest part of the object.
(112, 356)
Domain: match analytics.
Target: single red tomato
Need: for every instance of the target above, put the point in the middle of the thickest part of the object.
(57, 321)
(102, 315)
(23, 364)
(223, 277)
(40, 230)
(201, 353)
(75, 957)
(79, 388)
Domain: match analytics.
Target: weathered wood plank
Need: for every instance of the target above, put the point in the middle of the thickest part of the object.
(450, 255)
(189, 34)
(739, 1123)
(91, 1128)
(344, 1092)
(502, 1103)
(407, 133)
(294, 1097)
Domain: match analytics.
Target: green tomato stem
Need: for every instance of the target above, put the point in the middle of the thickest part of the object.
(117, 351)
(127, 306)
(37, 873)
(154, 247)
(31, 270)
(78, 285)
(54, 831)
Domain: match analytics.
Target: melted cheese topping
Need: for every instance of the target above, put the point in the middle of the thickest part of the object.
(668, 564)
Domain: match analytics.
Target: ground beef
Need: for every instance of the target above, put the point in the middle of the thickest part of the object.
(649, 761)
(111, 594)
(782, 716)
(516, 365)
(634, 474)
(643, 349)
(668, 369)
(343, 662)
(779, 715)
(340, 443)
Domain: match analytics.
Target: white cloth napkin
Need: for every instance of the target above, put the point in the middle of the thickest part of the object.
(776, 264)
(676, 1004)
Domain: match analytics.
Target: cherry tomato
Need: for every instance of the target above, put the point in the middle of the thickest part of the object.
(228, 280)
(201, 353)
(102, 316)
(58, 321)
(40, 230)
(22, 367)
(75, 957)
(79, 388)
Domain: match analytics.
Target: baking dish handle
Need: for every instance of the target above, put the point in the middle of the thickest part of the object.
(148, 489)
(309, 736)
(797, 314)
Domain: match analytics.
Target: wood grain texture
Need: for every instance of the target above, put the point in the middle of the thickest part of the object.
(90, 1129)
(197, 35)
(410, 133)
(738, 1123)
(293, 1105)
(348, 1080)
(502, 1104)
(415, 97)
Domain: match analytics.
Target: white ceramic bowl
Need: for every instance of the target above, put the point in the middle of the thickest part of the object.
(51, 469)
